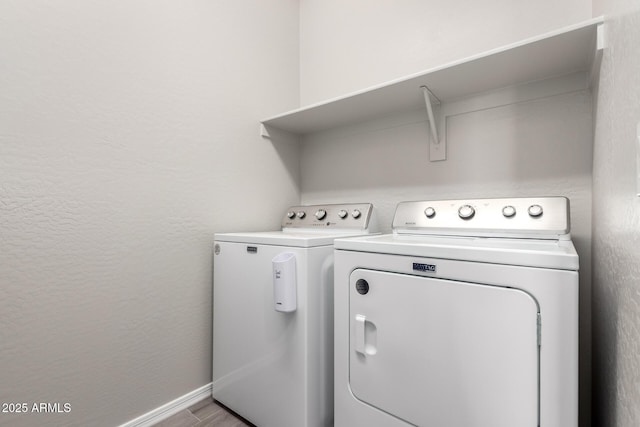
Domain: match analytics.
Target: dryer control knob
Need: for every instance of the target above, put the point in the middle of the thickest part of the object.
(321, 213)
(342, 214)
(301, 214)
(430, 212)
(508, 211)
(291, 214)
(466, 212)
(356, 213)
(535, 210)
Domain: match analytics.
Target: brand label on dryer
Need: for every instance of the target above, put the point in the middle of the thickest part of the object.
(431, 268)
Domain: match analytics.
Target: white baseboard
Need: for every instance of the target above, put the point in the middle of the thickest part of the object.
(171, 408)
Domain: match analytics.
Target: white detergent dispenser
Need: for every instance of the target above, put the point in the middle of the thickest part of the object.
(273, 316)
(284, 282)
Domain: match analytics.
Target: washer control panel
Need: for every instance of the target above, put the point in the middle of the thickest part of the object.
(348, 215)
(532, 217)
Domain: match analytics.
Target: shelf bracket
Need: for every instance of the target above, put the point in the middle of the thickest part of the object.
(437, 146)
(600, 44)
(264, 132)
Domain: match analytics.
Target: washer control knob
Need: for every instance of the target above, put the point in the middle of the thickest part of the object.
(301, 214)
(535, 211)
(466, 212)
(430, 212)
(342, 214)
(508, 211)
(356, 213)
(321, 213)
(291, 214)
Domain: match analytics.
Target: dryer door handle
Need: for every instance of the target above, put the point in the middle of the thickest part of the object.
(360, 339)
(366, 336)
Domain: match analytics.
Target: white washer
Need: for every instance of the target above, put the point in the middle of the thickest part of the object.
(273, 316)
(465, 316)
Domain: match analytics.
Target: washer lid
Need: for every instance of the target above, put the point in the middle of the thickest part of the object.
(298, 239)
(558, 254)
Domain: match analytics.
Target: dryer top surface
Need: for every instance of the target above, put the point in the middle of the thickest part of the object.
(557, 254)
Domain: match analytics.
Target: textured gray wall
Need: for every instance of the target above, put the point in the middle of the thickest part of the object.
(349, 45)
(128, 136)
(616, 221)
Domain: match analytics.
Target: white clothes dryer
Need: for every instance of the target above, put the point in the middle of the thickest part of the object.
(465, 316)
(273, 316)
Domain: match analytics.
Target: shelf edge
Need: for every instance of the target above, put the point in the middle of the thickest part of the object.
(567, 29)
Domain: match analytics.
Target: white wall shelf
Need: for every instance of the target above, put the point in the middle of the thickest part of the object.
(569, 50)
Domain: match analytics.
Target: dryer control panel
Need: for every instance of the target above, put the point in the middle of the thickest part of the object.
(354, 216)
(523, 217)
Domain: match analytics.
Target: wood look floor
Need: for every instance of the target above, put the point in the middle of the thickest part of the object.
(206, 413)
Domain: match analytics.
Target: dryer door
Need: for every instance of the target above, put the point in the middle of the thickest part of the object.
(436, 352)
